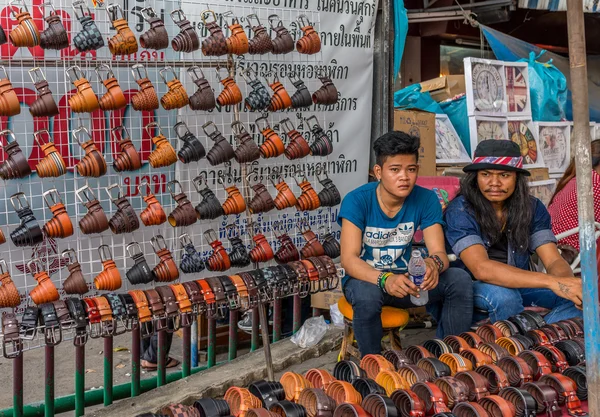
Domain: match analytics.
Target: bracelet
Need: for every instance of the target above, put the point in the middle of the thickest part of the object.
(438, 261)
(381, 279)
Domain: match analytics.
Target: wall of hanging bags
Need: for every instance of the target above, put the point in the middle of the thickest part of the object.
(128, 131)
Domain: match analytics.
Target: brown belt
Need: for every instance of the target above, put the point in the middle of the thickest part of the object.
(555, 357)
(179, 410)
(456, 362)
(472, 339)
(319, 378)
(157, 308)
(415, 353)
(517, 370)
(506, 327)
(240, 400)
(476, 357)
(316, 403)
(170, 306)
(537, 362)
(454, 390)
(566, 390)
(391, 381)
(408, 403)
(413, 374)
(456, 343)
(545, 397)
(397, 357)
(476, 383)
(469, 409)
(511, 344)
(293, 385)
(432, 397)
(373, 364)
(144, 314)
(489, 332)
(184, 303)
(496, 377)
(495, 351)
(497, 406)
(12, 345)
(343, 392)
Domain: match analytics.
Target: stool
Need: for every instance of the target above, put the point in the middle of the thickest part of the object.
(392, 319)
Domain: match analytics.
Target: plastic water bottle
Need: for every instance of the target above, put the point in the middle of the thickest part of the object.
(416, 272)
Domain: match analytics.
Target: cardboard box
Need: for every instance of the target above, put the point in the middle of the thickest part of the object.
(539, 174)
(422, 124)
(324, 299)
(443, 88)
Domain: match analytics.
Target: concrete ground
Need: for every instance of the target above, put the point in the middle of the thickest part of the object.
(65, 366)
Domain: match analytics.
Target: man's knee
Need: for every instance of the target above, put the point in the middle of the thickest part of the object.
(458, 280)
(492, 298)
(365, 298)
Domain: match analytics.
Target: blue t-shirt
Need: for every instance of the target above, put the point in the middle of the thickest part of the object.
(387, 241)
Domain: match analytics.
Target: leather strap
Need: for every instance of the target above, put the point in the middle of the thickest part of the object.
(497, 406)
(555, 357)
(156, 306)
(477, 384)
(415, 353)
(432, 397)
(343, 392)
(476, 357)
(77, 312)
(496, 377)
(456, 343)
(29, 323)
(456, 362)
(316, 403)
(240, 400)
(210, 407)
(269, 392)
(472, 339)
(319, 378)
(522, 400)
(495, 351)
(377, 405)
(517, 370)
(366, 386)
(350, 410)
(539, 337)
(469, 409)
(62, 312)
(512, 345)
(219, 294)
(93, 315)
(537, 362)
(578, 375)
(437, 347)
(49, 319)
(573, 352)
(506, 327)
(454, 390)
(434, 368)
(231, 293)
(131, 313)
(293, 385)
(554, 332)
(373, 364)
(545, 398)
(566, 390)
(106, 316)
(391, 381)
(184, 304)
(144, 313)
(413, 374)
(489, 332)
(12, 346)
(408, 403)
(179, 410)
(347, 371)
(397, 358)
(196, 298)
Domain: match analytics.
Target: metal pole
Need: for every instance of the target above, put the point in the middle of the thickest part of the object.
(233, 339)
(254, 339)
(212, 342)
(277, 317)
(194, 347)
(185, 364)
(583, 164)
(108, 371)
(49, 382)
(135, 361)
(79, 380)
(297, 311)
(161, 371)
(18, 386)
(264, 330)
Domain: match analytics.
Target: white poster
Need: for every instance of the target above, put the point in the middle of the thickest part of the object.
(345, 29)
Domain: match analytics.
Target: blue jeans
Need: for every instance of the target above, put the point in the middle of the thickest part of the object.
(450, 303)
(501, 302)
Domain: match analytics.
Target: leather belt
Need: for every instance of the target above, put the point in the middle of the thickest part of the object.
(144, 314)
(119, 312)
(523, 322)
(157, 309)
(343, 392)
(437, 347)
(477, 384)
(495, 351)
(522, 400)
(293, 384)
(578, 375)
(415, 353)
(456, 343)
(171, 309)
(209, 407)
(209, 297)
(496, 377)
(350, 410)
(434, 368)
(470, 409)
(29, 323)
(378, 405)
(260, 412)
(472, 339)
(140, 272)
(347, 371)
(476, 357)
(554, 332)
(179, 410)
(566, 390)
(208, 208)
(545, 398)
(52, 328)
(366, 386)
(269, 392)
(506, 327)
(77, 312)
(497, 406)
(432, 397)
(456, 362)
(91, 310)
(319, 378)
(107, 323)
(184, 304)
(240, 400)
(537, 362)
(373, 364)
(513, 346)
(219, 294)
(12, 345)
(489, 332)
(573, 352)
(391, 381)
(517, 370)
(131, 313)
(253, 295)
(413, 374)
(62, 313)
(193, 292)
(525, 341)
(239, 254)
(555, 357)
(408, 403)
(539, 337)
(397, 357)
(316, 403)
(454, 390)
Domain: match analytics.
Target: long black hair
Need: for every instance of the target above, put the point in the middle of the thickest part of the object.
(518, 211)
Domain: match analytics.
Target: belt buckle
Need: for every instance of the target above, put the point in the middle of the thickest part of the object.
(263, 294)
(173, 323)
(123, 326)
(221, 309)
(146, 329)
(315, 286)
(108, 328)
(27, 332)
(53, 335)
(186, 319)
(12, 348)
(234, 301)
(552, 409)
(211, 310)
(160, 322)
(130, 323)
(95, 330)
(303, 288)
(81, 337)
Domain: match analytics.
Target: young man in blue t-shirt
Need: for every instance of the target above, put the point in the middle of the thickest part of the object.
(378, 223)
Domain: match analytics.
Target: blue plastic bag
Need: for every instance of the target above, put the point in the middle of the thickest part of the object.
(456, 110)
(548, 89)
(412, 97)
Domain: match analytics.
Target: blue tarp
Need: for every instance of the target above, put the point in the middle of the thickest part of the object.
(507, 48)
(400, 31)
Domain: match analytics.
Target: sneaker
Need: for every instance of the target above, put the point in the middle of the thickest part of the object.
(245, 324)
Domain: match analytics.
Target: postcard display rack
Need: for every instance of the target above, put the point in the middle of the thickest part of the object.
(170, 150)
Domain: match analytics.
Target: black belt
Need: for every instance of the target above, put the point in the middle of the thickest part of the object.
(118, 310)
(49, 319)
(577, 374)
(209, 407)
(131, 313)
(366, 386)
(221, 302)
(524, 403)
(287, 408)
(397, 357)
(437, 347)
(572, 351)
(378, 405)
(434, 368)
(347, 371)
(29, 323)
(269, 392)
(261, 285)
(77, 312)
(230, 292)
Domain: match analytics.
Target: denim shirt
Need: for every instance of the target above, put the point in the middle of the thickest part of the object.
(462, 231)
